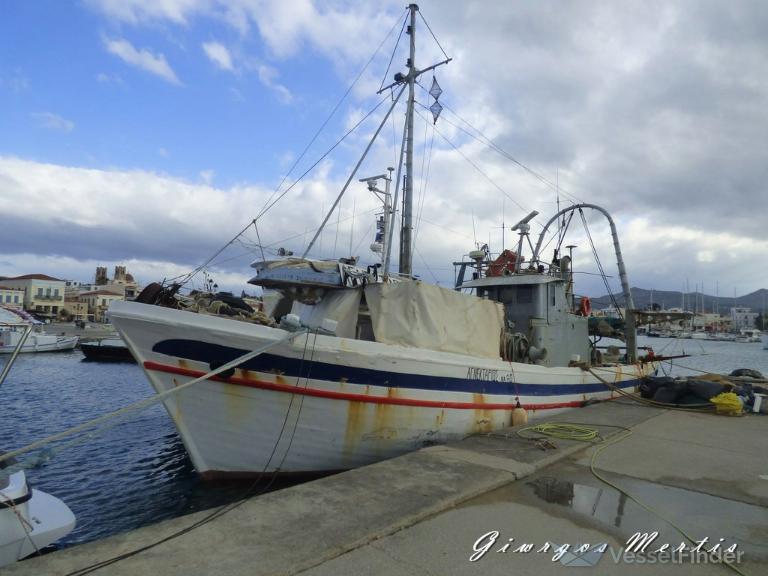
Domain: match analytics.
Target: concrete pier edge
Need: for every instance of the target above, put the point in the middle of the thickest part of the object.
(298, 528)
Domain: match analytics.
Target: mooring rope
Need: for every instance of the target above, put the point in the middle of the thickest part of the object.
(147, 402)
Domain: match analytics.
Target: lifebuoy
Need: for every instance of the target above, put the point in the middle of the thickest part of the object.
(585, 307)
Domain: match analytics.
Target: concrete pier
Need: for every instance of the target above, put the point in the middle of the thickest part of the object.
(89, 333)
(427, 513)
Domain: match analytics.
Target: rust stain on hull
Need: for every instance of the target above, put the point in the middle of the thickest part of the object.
(483, 418)
(355, 424)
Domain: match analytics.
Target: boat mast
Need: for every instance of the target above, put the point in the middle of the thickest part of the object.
(406, 257)
(409, 79)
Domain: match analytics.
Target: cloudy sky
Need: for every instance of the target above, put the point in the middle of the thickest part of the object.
(148, 133)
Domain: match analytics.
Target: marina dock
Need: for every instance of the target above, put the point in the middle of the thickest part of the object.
(427, 512)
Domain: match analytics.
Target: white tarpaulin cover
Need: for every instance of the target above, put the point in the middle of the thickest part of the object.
(427, 316)
(339, 305)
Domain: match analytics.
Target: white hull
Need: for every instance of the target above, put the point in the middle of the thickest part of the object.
(33, 523)
(43, 343)
(322, 403)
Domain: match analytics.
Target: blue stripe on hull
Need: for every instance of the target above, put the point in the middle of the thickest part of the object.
(218, 355)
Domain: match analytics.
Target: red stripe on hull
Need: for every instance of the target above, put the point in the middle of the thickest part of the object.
(252, 383)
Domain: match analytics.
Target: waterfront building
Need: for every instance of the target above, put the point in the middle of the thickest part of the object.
(43, 295)
(11, 297)
(98, 303)
(123, 283)
(742, 318)
(75, 309)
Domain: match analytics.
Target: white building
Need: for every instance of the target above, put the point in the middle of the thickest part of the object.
(43, 295)
(98, 303)
(11, 297)
(742, 318)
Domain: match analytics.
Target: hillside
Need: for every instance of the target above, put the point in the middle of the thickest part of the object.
(757, 300)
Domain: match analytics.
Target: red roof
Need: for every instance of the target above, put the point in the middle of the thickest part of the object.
(35, 277)
(101, 293)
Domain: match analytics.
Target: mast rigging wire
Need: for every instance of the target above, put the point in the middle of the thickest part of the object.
(331, 149)
(420, 211)
(267, 205)
(325, 123)
(354, 171)
(475, 166)
(433, 34)
(394, 50)
(483, 139)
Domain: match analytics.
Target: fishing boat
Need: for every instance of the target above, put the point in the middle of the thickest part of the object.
(107, 350)
(359, 363)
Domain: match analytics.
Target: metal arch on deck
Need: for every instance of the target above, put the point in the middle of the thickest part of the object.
(628, 302)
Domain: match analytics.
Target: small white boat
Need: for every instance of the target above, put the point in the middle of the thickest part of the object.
(29, 519)
(15, 323)
(36, 342)
(749, 335)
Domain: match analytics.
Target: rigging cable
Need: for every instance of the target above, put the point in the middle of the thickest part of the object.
(483, 139)
(437, 282)
(420, 210)
(325, 123)
(184, 278)
(433, 34)
(392, 57)
(331, 149)
(475, 166)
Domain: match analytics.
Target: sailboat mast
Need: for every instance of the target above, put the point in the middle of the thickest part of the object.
(406, 265)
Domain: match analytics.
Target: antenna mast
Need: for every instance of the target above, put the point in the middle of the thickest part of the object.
(409, 79)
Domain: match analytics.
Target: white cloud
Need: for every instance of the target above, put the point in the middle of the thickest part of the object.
(268, 76)
(331, 27)
(104, 78)
(219, 55)
(53, 121)
(652, 109)
(144, 59)
(139, 11)
(90, 214)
